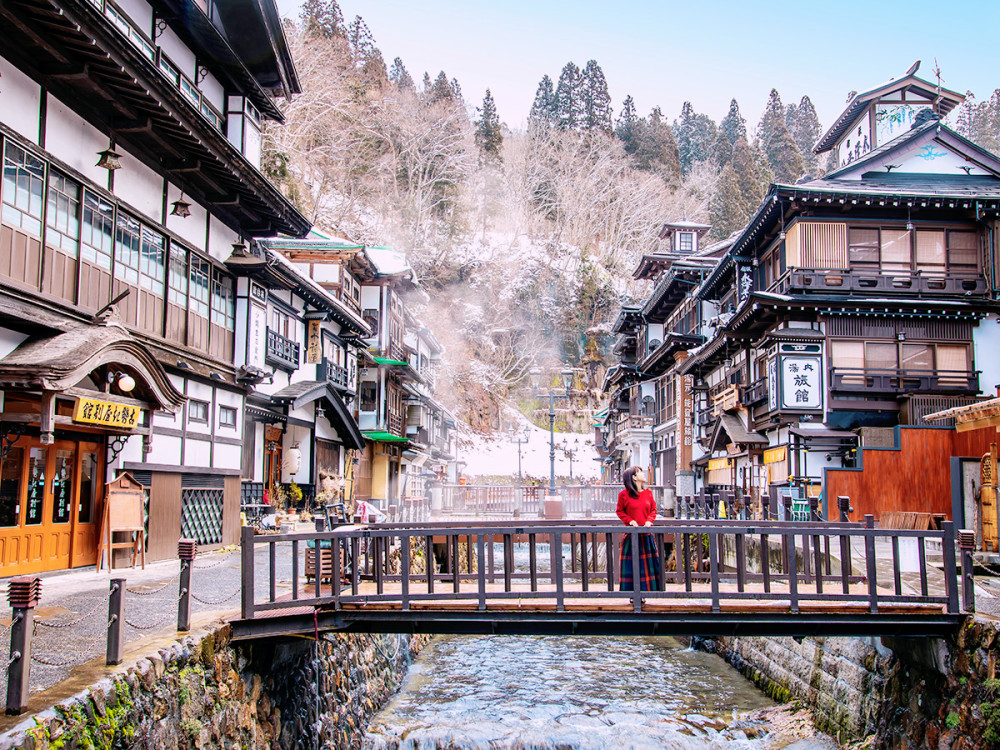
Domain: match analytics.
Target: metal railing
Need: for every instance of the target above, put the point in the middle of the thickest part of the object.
(282, 351)
(475, 562)
(334, 373)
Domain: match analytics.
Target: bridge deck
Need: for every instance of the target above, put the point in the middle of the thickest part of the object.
(804, 579)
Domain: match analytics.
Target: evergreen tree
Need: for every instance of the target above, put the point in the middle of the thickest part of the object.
(722, 151)
(595, 99)
(441, 89)
(733, 124)
(569, 104)
(322, 18)
(752, 174)
(399, 76)
(359, 36)
(488, 134)
(543, 110)
(625, 128)
(456, 89)
(427, 84)
(777, 143)
(804, 126)
(729, 207)
(695, 135)
(655, 149)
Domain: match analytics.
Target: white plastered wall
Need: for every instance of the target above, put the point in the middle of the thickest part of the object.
(19, 98)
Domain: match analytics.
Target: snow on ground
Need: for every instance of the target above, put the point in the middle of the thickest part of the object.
(486, 456)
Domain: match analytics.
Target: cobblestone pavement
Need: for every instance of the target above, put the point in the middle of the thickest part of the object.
(72, 616)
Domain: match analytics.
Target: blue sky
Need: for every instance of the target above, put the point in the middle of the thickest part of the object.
(664, 52)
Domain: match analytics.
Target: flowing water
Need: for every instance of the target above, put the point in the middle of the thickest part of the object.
(564, 693)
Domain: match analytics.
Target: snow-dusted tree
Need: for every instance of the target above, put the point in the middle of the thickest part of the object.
(545, 107)
(399, 76)
(489, 137)
(440, 90)
(733, 124)
(695, 134)
(729, 207)
(595, 99)
(322, 18)
(626, 124)
(569, 99)
(777, 143)
(803, 124)
(655, 149)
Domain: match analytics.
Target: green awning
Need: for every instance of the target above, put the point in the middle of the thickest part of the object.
(382, 436)
(387, 361)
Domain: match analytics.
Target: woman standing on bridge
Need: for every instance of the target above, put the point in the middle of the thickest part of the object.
(636, 507)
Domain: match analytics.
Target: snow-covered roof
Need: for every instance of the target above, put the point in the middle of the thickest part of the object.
(389, 261)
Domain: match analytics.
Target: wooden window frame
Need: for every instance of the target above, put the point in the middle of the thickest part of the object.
(202, 406)
(228, 410)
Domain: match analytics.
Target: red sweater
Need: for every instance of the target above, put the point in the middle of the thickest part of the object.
(639, 509)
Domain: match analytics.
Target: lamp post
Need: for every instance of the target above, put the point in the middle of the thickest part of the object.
(519, 438)
(570, 452)
(648, 402)
(567, 378)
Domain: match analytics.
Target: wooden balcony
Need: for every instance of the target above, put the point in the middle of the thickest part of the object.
(853, 380)
(877, 281)
(632, 422)
(398, 352)
(395, 424)
(755, 393)
(281, 352)
(334, 374)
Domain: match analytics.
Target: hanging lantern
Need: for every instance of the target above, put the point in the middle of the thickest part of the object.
(293, 459)
(109, 158)
(181, 207)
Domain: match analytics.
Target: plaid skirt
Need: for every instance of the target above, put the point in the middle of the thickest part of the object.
(649, 564)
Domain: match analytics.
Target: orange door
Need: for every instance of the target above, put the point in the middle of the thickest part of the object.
(87, 521)
(39, 505)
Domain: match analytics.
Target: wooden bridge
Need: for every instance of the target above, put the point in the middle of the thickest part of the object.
(718, 577)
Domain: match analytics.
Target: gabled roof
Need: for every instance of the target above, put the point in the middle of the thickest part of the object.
(856, 107)
(730, 425)
(338, 415)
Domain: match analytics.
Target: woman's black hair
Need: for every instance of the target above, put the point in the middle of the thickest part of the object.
(628, 479)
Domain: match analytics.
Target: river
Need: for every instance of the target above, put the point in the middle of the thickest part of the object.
(586, 693)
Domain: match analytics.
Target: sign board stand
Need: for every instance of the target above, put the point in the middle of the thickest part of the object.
(122, 513)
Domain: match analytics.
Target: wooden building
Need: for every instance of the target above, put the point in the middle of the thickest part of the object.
(130, 139)
(853, 303)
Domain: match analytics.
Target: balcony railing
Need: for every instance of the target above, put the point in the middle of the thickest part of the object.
(847, 379)
(396, 424)
(281, 352)
(334, 373)
(878, 281)
(633, 422)
(397, 352)
(755, 392)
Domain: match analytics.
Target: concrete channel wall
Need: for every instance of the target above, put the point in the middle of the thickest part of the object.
(205, 691)
(894, 693)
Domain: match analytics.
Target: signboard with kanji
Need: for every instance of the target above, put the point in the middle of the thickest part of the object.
(95, 411)
(801, 382)
(314, 343)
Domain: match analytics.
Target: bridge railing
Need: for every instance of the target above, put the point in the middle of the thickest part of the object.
(850, 567)
(526, 500)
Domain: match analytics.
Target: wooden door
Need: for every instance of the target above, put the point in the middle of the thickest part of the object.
(89, 504)
(41, 508)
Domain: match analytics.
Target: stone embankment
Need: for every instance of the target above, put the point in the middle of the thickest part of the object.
(204, 691)
(885, 693)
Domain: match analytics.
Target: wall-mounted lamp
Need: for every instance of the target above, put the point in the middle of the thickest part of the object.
(215, 376)
(184, 365)
(909, 224)
(181, 207)
(109, 158)
(124, 381)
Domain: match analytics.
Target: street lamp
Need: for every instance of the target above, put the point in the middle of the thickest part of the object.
(570, 452)
(519, 438)
(647, 402)
(567, 378)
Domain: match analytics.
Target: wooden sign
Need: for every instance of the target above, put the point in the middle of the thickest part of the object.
(123, 503)
(94, 411)
(314, 344)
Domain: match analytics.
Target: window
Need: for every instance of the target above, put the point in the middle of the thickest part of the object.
(963, 251)
(281, 322)
(98, 230)
(169, 70)
(198, 294)
(895, 248)
(685, 242)
(367, 395)
(63, 216)
(908, 357)
(227, 417)
(23, 177)
(223, 302)
(863, 248)
(198, 411)
(152, 262)
(178, 287)
(370, 316)
(127, 249)
(930, 252)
